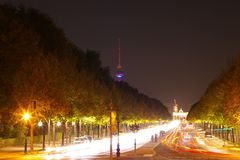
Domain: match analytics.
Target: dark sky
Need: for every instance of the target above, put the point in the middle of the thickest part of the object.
(170, 49)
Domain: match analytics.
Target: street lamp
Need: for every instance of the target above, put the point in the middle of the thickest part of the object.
(40, 124)
(118, 145)
(54, 132)
(58, 124)
(74, 130)
(26, 117)
(134, 128)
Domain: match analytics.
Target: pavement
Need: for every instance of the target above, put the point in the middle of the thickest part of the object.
(19, 149)
(17, 152)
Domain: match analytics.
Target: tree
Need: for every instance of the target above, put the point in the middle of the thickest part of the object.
(232, 97)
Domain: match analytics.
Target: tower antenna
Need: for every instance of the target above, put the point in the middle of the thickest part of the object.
(119, 54)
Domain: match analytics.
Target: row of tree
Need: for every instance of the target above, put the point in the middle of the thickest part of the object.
(220, 104)
(39, 64)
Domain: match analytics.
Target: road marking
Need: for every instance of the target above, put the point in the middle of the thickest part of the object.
(147, 155)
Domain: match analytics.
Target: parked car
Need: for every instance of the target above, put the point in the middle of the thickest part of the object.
(88, 138)
(79, 140)
(83, 139)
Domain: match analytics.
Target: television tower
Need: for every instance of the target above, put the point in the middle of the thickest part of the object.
(119, 76)
(119, 73)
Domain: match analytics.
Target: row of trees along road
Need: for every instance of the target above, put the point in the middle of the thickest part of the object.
(38, 63)
(219, 107)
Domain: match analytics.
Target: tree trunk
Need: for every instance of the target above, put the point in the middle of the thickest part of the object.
(92, 129)
(43, 141)
(106, 131)
(98, 128)
(49, 132)
(233, 138)
(88, 129)
(75, 130)
(67, 132)
(31, 137)
(214, 129)
(78, 128)
(222, 132)
(54, 134)
(219, 131)
(211, 130)
(227, 134)
(63, 133)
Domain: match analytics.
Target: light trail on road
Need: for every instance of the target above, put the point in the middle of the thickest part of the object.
(102, 147)
(192, 144)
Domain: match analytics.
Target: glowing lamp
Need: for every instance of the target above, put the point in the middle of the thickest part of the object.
(26, 116)
(40, 123)
(58, 124)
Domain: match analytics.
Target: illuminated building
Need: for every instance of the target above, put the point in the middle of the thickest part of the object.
(178, 114)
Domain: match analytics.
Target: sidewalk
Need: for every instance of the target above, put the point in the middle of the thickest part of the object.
(8, 153)
(18, 149)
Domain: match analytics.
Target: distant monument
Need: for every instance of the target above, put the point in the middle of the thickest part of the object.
(178, 114)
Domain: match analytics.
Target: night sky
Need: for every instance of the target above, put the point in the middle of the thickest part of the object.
(170, 49)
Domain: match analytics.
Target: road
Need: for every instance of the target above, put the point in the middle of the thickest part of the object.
(177, 144)
(191, 144)
(101, 147)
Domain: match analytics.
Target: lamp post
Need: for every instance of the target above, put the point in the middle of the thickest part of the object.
(26, 117)
(110, 158)
(58, 125)
(74, 130)
(134, 128)
(118, 145)
(40, 124)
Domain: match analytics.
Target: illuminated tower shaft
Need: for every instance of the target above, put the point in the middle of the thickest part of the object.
(119, 74)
